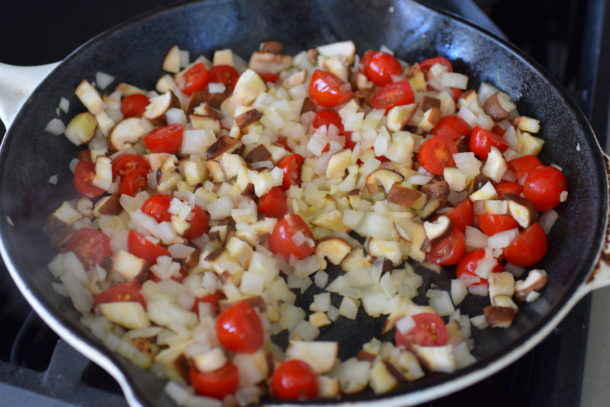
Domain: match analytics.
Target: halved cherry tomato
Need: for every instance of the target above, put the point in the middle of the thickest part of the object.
(394, 94)
(274, 203)
(134, 105)
(524, 165)
(225, 74)
(195, 78)
(281, 239)
(462, 215)
(426, 64)
(166, 139)
(482, 140)
(452, 126)
(211, 299)
(134, 182)
(492, 224)
(141, 247)
(294, 380)
(125, 163)
(83, 180)
(269, 76)
(468, 265)
(239, 328)
(326, 118)
(528, 248)
(448, 250)
(217, 383)
(436, 153)
(283, 141)
(200, 224)
(508, 187)
(157, 206)
(125, 292)
(379, 67)
(544, 186)
(498, 130)
(328, 90)
(456, 93)
(292, 166)
(429, 330)
(90, 246)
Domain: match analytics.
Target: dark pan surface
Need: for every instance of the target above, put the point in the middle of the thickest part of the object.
(133, 53)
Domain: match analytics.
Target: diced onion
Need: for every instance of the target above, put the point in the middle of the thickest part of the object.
(56, 127)
(103, 80)
(547, 220)
(475, 238)
(405, 324)
(502, 239)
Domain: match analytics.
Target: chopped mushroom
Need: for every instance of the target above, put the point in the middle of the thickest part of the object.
(385, 178)
(499, 317)
(247, 118)
(535, 281)
(224, 144)
(334, 249)
(498, 106)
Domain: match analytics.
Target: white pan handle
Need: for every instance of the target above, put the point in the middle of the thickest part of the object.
(16, 85)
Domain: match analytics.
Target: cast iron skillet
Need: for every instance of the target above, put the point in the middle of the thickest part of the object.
(133, 52)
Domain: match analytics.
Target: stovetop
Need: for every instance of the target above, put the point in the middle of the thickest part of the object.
(566, 36)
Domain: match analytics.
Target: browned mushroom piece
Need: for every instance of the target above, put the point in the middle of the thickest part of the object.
(273, 47)
(308, 106)
(224, 144)
(436, 190)
(155, 111)
(521, 209)
(499, 317)
(429, 102)
(535, 281)
(269, 62)
(406, 197)
(108, 205)
(258, 154)
(247, 118)
(479, 181)
(497, 105)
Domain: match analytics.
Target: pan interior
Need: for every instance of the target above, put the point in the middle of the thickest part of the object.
(133, 53)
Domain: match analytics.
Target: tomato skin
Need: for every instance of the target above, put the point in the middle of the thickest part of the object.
(508, 187)
(83, 180)
(200, 224)
(528, 248)
(90, 246)
(134, 182)
(448, 250)
(217, 383)
(391, 95)
(125, 292)
(274, 203)
(269, 76)
(543, 187)
(225, 74)
(134, 105)
(211, 299)
(468, 265)
(436, 153)
(326, 118)
(141, 247)
(239, 328)
(280, 241)
(462, 215)
(125, 163)
(328, 90)
(524, 165)
(429, 330)
(492, 224)
(426, 64)
(195, 78)
(452, 126)
(379, 67)
(482, 140)
(294, 380)
(157, 206)
(166, 139)
(292, 166)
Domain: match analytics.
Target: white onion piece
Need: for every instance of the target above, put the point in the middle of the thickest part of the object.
(514, 269)
(467, 163)
(485, 121)
(502, 239)
(480, 290)
(469, 279)
(458, 291)
(484, 267)
(405, 324)
(103, 80)
(64, 105)
(485, 91)
(468, 116)
(318, 141)
(454, 80)
(216, 87)
(175, 115)
(442, 304)
(547, 220)
(184, 58)
(475, 238)
(479, 322)
(56, 127)
(510, 136)
(419, 179)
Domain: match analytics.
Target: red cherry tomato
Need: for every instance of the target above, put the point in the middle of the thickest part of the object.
(292, 166)
(83, 180)
(294, 380)
(429, 330)
(456, 93)
(436, 153)
(482, 140)
(426, 64)
(281, 239)
(211, 299)
(134, 105)
(468, 265)
(492, 224)
(134, 182)
(166, 139)
(452, 126)
(217, 383)
(528, 248)
(157, 206)
(379, 67)
(90, 246)
(498, 130)
(508, 187)
(524, 165)
(269, 76)
(199, 224)
(394, 94)
(328, 90)
(544, 186)
(195, 78)
(326, 118)
(283, 141)
(239, 328)
(141, 247)
(274, 203)
(125, 163)
(225, 74)
(448, 250)
(125, 292)
(462, 215)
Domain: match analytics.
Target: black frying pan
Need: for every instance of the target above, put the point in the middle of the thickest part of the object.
(133, 53)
